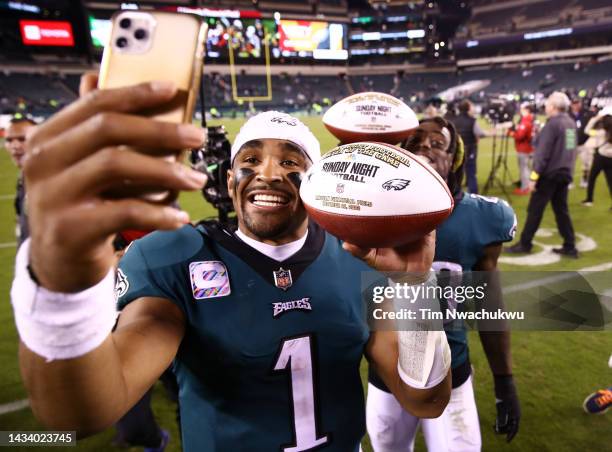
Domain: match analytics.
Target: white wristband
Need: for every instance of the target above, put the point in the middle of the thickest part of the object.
(58, 325)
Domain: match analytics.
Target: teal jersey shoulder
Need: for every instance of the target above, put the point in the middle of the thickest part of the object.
(271, 354)
(476, 222)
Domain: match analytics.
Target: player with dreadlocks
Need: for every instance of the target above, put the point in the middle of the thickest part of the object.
(469, 240)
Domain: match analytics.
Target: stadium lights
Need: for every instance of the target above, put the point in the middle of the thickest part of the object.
(129, 6)
(415, 34)
(378, 36)
(24, 7)
(548, 33)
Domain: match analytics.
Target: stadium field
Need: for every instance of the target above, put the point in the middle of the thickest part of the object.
(554, 371)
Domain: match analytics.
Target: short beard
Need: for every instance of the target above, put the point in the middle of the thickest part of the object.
(266, 231)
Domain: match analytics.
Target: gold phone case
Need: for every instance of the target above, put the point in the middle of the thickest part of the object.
(173, 50)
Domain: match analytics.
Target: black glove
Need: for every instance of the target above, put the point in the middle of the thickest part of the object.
(508, 407)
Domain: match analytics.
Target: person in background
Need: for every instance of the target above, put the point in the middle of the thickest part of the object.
(15, 145)
(470, 132)
(582, 116)
(553, 169)
(430, 111)
(601, 129)
(523, 136)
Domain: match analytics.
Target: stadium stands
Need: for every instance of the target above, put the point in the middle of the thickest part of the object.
(44, 94)
(494, 17)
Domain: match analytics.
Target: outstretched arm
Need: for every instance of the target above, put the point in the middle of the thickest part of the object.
(95, 146)
(495, 341)
(387, 349)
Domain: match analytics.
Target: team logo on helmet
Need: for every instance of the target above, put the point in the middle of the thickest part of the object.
(396, 184)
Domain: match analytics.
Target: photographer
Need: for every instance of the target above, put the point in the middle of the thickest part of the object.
(523, 135)
(553, 170)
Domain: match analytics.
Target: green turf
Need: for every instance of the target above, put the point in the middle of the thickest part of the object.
(554, 371)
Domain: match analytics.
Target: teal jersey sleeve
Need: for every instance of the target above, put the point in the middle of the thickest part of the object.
(154, 265)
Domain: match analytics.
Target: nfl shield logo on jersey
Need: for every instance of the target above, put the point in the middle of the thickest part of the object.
(282, 278)
(209, 279)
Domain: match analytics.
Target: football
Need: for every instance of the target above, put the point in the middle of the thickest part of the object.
(370, 116)
(375, 195)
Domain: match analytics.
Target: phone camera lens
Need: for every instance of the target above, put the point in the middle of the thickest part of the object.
(140, 34)
(125, 23)
(122, 42)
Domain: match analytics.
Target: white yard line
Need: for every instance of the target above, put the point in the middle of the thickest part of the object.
(598, 268)
(5, 197)
(8, 245)
(554, 279)
(11, 407)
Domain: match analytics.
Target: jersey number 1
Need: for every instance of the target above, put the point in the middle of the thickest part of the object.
(297, 354)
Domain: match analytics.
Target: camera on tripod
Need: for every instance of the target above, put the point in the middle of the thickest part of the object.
(499, 111)
(214, 160)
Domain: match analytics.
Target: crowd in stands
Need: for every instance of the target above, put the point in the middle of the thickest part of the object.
(41, 95)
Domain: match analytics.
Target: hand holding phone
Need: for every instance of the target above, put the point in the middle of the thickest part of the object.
(146, 46)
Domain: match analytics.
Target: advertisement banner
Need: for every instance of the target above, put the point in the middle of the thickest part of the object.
(46, 33)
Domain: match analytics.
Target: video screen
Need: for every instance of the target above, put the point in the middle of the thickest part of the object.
(100, 30)
(320, 40)
(247, 37)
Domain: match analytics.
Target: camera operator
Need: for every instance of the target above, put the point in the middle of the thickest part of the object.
(470, 132)
(553, 170)
(523, 135)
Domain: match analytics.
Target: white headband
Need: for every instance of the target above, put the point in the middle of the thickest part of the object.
(280, 126)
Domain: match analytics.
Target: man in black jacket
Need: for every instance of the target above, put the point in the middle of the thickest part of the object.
(470, 132)
(553, 170)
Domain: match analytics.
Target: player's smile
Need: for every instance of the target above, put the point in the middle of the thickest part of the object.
(268, 200)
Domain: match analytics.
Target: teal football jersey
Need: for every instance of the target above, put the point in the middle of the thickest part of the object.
(476, 222)
(271, 354)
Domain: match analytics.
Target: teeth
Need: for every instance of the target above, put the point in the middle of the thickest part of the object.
(268, 204)
(269, 199)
